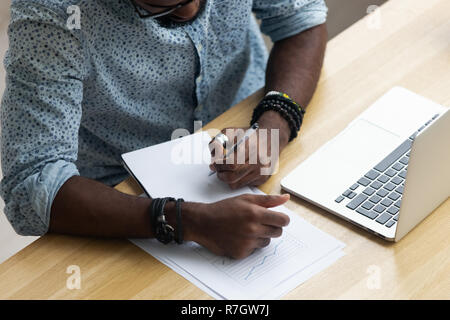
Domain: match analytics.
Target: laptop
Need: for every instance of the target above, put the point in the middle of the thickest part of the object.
(386, 171)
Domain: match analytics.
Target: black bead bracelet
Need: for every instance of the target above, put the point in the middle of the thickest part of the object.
(291, 111)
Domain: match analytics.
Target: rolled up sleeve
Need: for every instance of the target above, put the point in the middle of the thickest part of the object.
(40, 114)
(281, 19)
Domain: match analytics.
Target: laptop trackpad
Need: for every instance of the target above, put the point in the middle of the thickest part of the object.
(342, 161)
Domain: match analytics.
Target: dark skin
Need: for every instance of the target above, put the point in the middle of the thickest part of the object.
(284, 74)
(186, 13)
(234, 227)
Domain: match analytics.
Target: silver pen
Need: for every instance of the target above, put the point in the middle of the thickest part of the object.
(246, 136)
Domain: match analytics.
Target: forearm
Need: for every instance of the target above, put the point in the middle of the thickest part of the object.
(90, 208)
(234, 227)
(295, 63)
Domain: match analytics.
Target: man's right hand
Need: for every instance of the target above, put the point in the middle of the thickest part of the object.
(235, 227)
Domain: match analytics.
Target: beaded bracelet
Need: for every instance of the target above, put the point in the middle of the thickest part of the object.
(279, 102)
(287, 98)
(290, 109)
(292, 122)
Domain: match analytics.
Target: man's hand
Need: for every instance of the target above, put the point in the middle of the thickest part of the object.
(235, 227)
(254, 162)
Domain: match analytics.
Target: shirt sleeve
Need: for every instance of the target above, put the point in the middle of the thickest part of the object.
(40, 114)
(281, 19)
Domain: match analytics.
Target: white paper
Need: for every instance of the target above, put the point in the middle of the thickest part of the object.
(277, 292)
(302, 250)
(179, 169)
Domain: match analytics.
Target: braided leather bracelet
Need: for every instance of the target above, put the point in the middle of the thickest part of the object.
(179, 236)
(163, 232)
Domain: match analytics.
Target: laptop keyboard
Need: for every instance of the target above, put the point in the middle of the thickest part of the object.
(378, 194)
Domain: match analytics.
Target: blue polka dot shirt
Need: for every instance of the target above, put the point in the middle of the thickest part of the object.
(77, 98)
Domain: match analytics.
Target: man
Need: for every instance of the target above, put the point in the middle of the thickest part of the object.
(77, 98)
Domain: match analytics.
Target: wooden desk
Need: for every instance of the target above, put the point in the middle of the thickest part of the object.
(412, 50)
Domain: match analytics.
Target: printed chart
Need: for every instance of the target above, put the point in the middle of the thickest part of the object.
(261, 261)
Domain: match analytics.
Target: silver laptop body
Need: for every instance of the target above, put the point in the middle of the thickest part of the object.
(386, 171)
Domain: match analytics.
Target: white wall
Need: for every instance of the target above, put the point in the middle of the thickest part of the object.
(343, 13)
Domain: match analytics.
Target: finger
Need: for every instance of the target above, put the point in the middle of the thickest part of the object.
(232, 177)
(216, 149)
(267, 231)
(231, 162)
(233, 134)
(222, 166)
(262, 242)
(269, 201)
(244, 254)
(245, 180)
(259, 181)
(274, 218)
(238, 156)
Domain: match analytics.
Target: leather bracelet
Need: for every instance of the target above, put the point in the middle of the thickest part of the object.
(180, 232)
(163, 232)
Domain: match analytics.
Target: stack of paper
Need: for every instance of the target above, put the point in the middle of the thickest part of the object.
(180, 169)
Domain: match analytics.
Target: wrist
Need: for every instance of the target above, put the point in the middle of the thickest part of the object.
(273, 120)
(286, 108)
(190, 219)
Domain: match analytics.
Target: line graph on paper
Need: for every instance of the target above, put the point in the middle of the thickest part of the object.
(262, 260)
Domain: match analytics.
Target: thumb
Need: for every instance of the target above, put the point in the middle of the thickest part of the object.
(269, 201)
